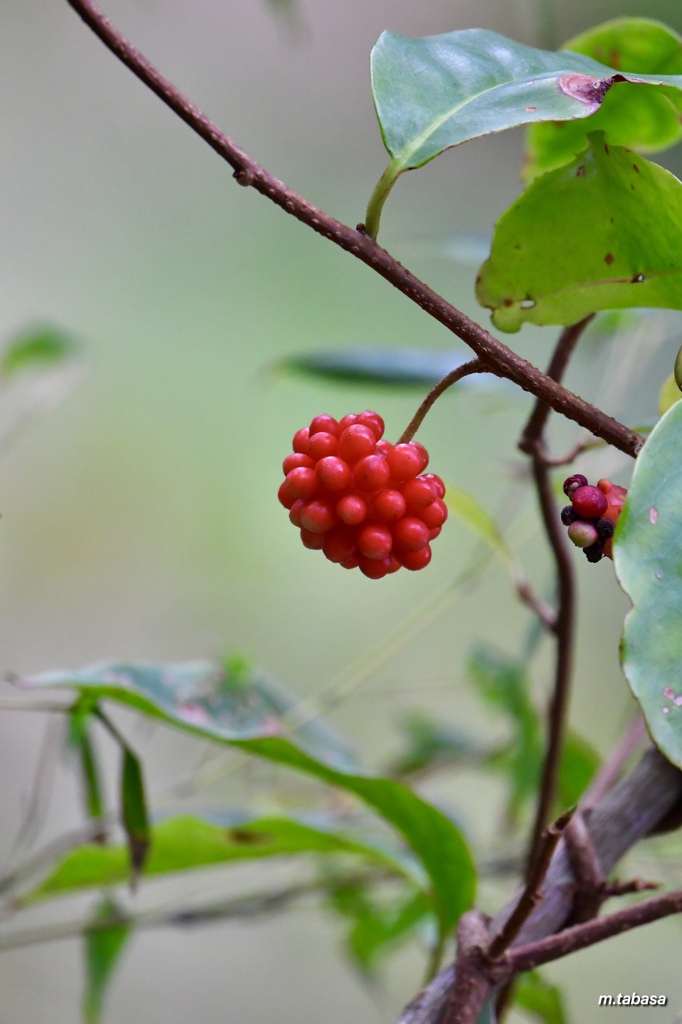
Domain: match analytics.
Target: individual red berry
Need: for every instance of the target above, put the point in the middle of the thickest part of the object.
(322, 444)
(582, 534)
(423, 454)
(285, 496)
(418, 494)
(572, 483)
(311, 540)
(589, 502)
(351, 509)
(300, 442)
(604, 485)
(302, 482)
(339, 544)
(296, 461)
(384, 447)
(415, 560)
(346, 421)
(410, 534)
(324, 423)
(389, 504)
(372, 420)
(295, 512)
(395, 564)
(434, 514)
(375, 540)
(404, 461)
(437, 483)
(371, 472)
(434, 532)
(356, 442)
(375, 568)
(318, 516)
(351, 563)
(333, 473)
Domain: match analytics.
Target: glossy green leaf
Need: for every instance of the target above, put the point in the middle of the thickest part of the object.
(648, 562)
(191, 697)
(188, 843)
(439, 91)
(36, 350)
(538, 997)
(103, 948)
(647, 120)
(392, 367)
(603, 232)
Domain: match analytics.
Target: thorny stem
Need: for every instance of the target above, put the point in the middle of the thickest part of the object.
(498, 358)
(473, 366)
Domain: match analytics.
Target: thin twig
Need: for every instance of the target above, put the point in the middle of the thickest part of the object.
(531, 895)
(498, 358)
(473, 366)
(580, 936)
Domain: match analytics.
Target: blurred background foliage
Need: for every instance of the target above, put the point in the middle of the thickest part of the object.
(139, 521)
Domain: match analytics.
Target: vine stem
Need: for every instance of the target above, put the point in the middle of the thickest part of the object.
(499, 359)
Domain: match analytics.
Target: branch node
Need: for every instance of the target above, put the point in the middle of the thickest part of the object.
(244, 176)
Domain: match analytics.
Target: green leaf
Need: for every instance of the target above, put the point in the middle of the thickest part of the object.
(103, 948)
(187, 843)
(376, 926)
(80, 740)
(134, 811)
(603, 232)
(463, 506)
(579, 764)
(648, 562)
(541, 999)
(36, 350)
(647, 120)
(392, 367)
(503, 684)
(192, 697)
(669, 394)
(439, 91)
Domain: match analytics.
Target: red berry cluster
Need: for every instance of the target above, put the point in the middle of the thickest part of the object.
(592, 514)
(365, 503)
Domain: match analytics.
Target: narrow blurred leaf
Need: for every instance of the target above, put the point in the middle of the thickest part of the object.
(502, 683)
(630, 256)
(669, 394)
(189, 697)
(463, 506)
(439, 91)
(648, 562)
(134, 811)
(647, 120)
(431, 743)
(80, 740)
(392, 367)
(36, 350)
(103, 948)
(578, 767)
(189, 843)
(538, 997)
(376, 927)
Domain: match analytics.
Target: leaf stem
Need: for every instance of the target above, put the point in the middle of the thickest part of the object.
(379, 197)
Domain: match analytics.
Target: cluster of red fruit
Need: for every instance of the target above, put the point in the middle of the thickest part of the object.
(592, 514)
(363, 502)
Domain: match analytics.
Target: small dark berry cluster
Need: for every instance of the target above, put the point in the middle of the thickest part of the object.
(592, 515)
(365, 503)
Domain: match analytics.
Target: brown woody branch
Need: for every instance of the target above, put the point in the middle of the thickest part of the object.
(497, 357)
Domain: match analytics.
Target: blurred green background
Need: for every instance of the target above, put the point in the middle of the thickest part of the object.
(139, 521)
